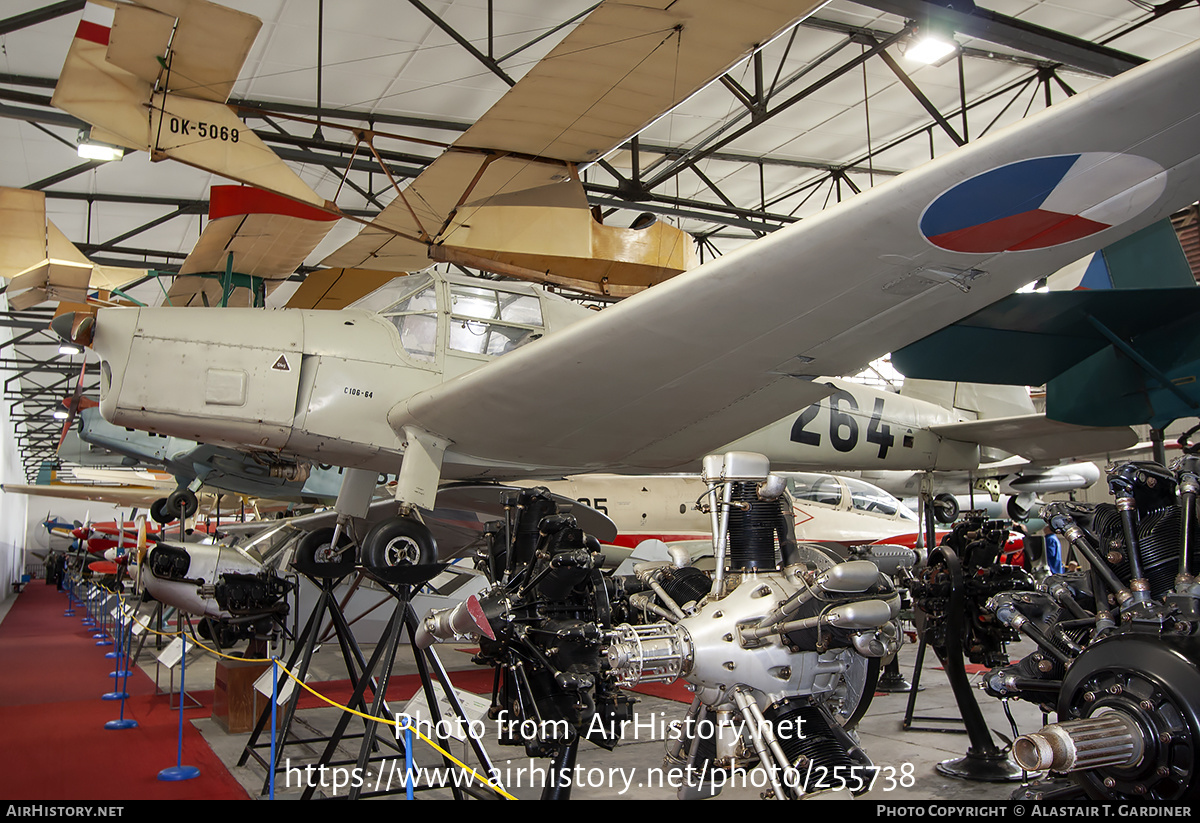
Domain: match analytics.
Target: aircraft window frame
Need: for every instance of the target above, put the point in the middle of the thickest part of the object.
(867, 498)
(417, 322)
(818, 490)
(480, 320)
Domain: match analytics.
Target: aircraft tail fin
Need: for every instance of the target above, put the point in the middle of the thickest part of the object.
(1149, 259)
(1104, 332)
(976, 400)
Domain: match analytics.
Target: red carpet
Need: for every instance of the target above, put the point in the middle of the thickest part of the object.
(53, 719)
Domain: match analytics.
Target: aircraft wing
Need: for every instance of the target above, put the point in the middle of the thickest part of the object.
(506, 196)
(41, 263)
(1041, 334)
(252, 237)
(675, 371)
(337, 288)
(154, 76)
(1038, 438)
(141, 496)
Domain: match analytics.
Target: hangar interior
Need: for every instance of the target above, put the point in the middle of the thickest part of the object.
(358, 99)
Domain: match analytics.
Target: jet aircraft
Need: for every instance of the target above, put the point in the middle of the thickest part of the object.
(827, 508)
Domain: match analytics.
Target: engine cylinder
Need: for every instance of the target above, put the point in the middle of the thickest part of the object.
(753, 525)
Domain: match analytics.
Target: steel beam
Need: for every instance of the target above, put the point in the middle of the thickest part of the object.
(1012, 32)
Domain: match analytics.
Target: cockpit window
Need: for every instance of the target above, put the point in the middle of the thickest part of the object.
(415, 317)
(490, 321)
(815, 488)
(868, 498)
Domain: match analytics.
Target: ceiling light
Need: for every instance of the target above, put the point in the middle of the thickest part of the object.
(59, 414)
(90, 149)
(930, 47)
(67, 348)
(932, 41)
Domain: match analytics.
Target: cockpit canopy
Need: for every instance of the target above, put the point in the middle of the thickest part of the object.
(846, 493)
(480, 318)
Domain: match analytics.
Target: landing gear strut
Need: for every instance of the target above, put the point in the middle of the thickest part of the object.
(316, 555)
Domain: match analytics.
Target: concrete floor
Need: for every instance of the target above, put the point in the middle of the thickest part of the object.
(634, 769)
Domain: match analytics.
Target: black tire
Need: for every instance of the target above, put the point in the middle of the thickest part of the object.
(182, 504)
(945, 508)
(158, 512)
(313, 555)
(396, 545)
(1016, 511)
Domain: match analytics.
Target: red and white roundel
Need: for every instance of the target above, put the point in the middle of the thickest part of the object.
(1043, 202)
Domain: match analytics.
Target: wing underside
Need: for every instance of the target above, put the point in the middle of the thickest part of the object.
(687, 366)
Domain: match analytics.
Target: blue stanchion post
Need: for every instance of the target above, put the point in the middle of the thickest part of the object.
(408, 758)
(123, 641)
(70, 612)
(180, 771)
(274, 704)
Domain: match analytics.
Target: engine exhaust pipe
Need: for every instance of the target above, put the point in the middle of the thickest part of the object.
(1109, 739)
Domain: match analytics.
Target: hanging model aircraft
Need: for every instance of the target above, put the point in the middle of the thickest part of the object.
(507, 197)
(655, 382)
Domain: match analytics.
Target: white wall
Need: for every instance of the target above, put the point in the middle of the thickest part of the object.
(12, 506)
(21, 516)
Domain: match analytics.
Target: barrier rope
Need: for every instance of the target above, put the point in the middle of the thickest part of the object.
(408, 724)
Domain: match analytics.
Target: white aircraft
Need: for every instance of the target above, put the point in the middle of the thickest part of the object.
(907, 435)
(676, 371)
(827, 508)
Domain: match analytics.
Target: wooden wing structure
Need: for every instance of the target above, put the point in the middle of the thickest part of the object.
(506, 197)
(40, 263)
(254, 240)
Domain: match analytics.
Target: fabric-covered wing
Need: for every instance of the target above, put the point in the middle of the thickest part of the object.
(154, 76)
(708, 356)
(337, 288)
(624, 65)
(41, 262)
(253, 234)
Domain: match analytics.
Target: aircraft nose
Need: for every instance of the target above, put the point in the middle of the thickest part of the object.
(75, 327)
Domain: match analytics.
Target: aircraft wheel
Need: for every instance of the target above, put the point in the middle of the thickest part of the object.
(397, 543)
(1015, 510)
(315, 555)
(182, 504)
(158, 512)
(945, 508)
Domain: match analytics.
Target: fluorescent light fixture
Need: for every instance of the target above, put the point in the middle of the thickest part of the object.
(930, 47)
(90, 149)
(59, 414)
(67, 348)
(98, 151)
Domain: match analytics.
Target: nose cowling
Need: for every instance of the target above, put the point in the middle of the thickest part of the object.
(228, 377)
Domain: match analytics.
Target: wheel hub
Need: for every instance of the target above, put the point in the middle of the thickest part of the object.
(402, 551)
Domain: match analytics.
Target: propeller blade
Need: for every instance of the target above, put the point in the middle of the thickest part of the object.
(73, 404)
(141, 552)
